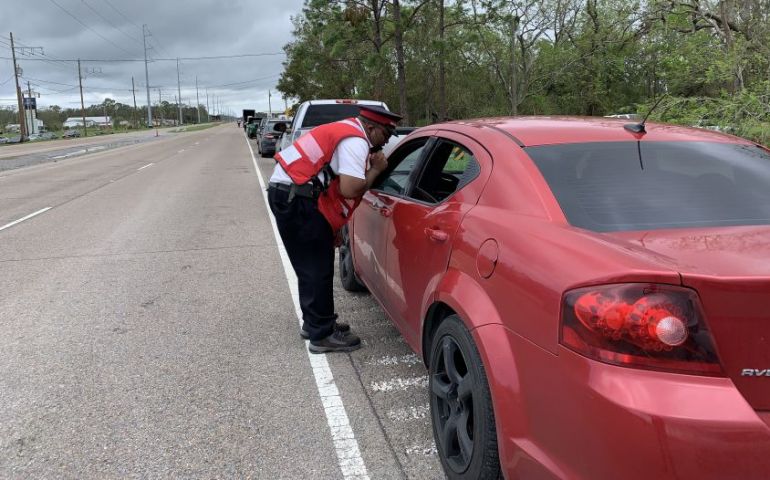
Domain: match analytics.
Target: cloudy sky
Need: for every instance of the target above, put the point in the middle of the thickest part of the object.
(106, 33)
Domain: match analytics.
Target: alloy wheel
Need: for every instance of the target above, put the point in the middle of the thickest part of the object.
(452, 385)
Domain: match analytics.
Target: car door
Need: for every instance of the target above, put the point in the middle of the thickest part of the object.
(424, 222)
(371, 221)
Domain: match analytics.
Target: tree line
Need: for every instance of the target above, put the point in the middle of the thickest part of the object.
(122, 115)
(706, 61)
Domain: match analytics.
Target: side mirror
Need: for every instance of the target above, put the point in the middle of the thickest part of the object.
(280, 127)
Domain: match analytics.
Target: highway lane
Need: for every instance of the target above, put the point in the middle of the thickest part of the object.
(147, 330)
(42, 147)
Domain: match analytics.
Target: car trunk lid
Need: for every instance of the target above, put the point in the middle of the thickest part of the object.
(737, 314)
(730, 270)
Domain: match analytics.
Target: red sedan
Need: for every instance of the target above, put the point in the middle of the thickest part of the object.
(590, 296)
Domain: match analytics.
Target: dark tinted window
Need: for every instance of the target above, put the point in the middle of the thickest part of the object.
(320, 114)
(272, 123)
(450, 167)
(403, 162)
(619, 186)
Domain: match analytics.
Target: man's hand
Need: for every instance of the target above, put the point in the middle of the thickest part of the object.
(351, 187)
(378, 162)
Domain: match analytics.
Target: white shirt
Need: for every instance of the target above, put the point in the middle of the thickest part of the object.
(351, 157)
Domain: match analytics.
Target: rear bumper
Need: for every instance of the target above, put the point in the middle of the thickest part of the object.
(564, 416)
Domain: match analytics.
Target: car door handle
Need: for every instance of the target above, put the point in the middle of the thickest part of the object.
(385, 211)
(437, 235)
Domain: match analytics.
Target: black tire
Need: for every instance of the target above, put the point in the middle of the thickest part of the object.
(348, 277)
(461, 405)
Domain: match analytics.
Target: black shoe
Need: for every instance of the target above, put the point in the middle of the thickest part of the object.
(336, 342)
(339, 326)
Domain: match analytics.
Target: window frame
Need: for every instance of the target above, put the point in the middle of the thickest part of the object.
(427, 148)
(425, 161)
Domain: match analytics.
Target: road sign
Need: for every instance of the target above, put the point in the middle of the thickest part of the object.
(30, 103)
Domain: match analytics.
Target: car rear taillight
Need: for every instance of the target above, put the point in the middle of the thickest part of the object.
(269, 135)
(347, 101)
(651, 326)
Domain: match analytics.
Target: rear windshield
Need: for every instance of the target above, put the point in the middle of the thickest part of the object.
(653, 185)
(272, 123)
(320, 114)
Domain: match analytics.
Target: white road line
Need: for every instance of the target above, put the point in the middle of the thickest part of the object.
(345, 444)
(422, 450)
(180, 151)
(391, 360)
(399, 384)
(25, 218)
(409, 413)
(149, 164)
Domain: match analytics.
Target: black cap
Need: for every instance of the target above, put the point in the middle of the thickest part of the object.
(380, 115)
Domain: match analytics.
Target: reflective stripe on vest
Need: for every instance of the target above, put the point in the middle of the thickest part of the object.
(304, 158)
(309, 154)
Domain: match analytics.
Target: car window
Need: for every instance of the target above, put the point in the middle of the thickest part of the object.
(616, 186)
(451, 166)
(402, 163)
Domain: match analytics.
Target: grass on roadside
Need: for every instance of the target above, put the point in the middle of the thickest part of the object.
(194, 128)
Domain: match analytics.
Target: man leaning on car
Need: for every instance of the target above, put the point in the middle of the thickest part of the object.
(317, 183)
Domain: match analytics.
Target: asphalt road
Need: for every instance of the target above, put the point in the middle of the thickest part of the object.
(147, 330)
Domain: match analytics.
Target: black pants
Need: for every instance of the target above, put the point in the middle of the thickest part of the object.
(309, 242)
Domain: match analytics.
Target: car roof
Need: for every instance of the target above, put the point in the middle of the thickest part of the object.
(343, 101)
(534, 131)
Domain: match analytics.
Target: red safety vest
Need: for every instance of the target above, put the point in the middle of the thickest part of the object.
(309, 154)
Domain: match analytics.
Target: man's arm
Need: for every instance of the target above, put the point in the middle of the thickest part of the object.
(353, 187)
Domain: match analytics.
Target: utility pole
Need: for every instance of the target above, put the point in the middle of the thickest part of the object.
(179, 91)
(197, 100)
(22, 129)
(207, 105)
(82, 104)
(147, 76)
(133, 114)
(31, 115)
(160, 107)
(269, 105)
(178, 116)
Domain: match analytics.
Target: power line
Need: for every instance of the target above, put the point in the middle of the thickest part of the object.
(157, 43)
(122, 15)
(243, 82)
(48, 59)
(118, 60)
(80, 22)
(108, 21)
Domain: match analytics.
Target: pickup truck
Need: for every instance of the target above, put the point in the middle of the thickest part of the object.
(317, 112)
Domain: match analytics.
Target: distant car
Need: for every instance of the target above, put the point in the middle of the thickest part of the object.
(262, 122)
(35, 136)
(268, 136)
(590, 301)
(49, 135)
(71, 134)
(627, 116)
